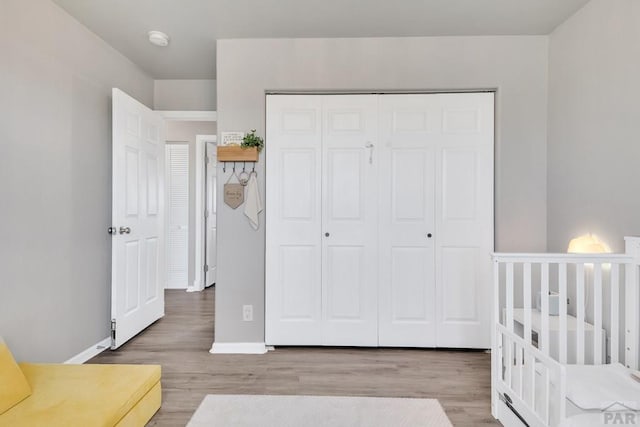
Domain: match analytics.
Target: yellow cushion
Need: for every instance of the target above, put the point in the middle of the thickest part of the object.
(81, 395)
(13, 385)
(144, 410)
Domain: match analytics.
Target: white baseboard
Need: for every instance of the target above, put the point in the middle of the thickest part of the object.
(238, 348)
(174, 286)
(92, 351)
(196, 287)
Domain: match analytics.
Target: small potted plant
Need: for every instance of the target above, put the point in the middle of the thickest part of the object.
(247, 151)
(252, 140)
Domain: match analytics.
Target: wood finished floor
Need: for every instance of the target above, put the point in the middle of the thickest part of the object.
(181, 340)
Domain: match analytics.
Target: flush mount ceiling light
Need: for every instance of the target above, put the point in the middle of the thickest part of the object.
(158, 38)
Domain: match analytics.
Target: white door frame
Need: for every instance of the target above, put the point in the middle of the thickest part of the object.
(200, 197)
(196, 116)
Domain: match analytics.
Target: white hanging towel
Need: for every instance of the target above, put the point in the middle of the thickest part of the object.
(253, 204)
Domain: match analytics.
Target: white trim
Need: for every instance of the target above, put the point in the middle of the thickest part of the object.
(90, 352)
(189, 116)
(238, 348)
(200, 197)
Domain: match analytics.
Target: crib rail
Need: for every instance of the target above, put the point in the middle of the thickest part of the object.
(596, 326)
(529, 380)
(557, 309)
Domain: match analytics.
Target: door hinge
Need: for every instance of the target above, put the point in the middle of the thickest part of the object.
(206, 213)
(206, 268)
(113, 332)
(206, 160)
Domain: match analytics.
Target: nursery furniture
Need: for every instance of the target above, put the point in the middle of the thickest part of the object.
(580, 370)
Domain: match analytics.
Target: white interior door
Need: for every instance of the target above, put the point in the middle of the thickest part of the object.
(177, 177)
(349, 220)
(211, 215)
(407, 221)
(293, 220)
(464, 219)
(138, 257)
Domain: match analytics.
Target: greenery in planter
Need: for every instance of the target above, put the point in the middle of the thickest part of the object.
(252, 140)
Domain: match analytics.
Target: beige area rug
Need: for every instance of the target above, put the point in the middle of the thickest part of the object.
(317, 411)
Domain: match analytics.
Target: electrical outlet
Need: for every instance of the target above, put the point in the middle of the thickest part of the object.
(247, 313)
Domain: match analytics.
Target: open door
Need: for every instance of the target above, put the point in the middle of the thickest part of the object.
(138, 250)
(211, 215)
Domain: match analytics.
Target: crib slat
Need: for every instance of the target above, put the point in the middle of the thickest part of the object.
(562, 319)
(509, 295)
(562, 394)
(547, 396)
(519, 357)
(544, 314)
(580, 306)
(597, 314)
(526, 280)
(500, 356)
(508, 344)
(615, 315)
(509, 316)
(496, 348)
(632, 317)
(531, 367)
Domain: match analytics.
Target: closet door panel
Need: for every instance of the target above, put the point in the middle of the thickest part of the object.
(345, 187)
(409, 296)
(293, 220)
(298, 279)
(406, 268)
(465, 220)
(345, 291)
(460, 277)
(349, 225)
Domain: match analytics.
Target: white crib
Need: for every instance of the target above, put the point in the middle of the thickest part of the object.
(537, 354)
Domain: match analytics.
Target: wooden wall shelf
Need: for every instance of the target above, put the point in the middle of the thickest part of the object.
(235, 153)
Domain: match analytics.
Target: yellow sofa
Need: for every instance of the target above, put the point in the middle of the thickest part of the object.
(76, 395)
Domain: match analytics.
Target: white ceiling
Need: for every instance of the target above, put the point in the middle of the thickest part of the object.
(195, 25)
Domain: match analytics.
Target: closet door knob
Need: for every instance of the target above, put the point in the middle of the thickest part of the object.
(429, 235)
(326, 234)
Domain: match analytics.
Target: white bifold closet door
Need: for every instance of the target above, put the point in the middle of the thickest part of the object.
(436, 219)
(323, 198)
(379, 219)
(293, 269)
(177, 158)
(349, 220)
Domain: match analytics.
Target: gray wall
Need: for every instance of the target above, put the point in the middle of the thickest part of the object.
(516, 66)
(55, 179)
(594, 125)
(185, 95)
(185, 132)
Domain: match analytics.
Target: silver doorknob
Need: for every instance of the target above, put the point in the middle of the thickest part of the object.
(125, 230)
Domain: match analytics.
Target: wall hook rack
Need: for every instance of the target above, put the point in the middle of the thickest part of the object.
(244, 166)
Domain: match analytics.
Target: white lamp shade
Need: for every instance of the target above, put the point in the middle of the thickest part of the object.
(588, 244)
